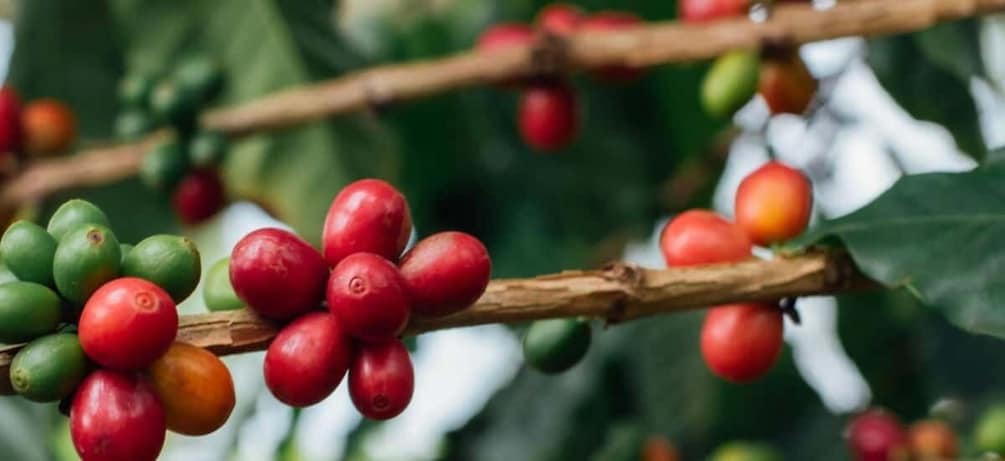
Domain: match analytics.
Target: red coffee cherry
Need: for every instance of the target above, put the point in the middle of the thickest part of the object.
(445, 273)
(876, 435)
(277, 273)
(127, 324)
(932, 440)
(370, 216)
(698, 237)
(548, 117)
(709, 10)
(786, 84)
(610, 21)
(307, 360)
(10, 121)
(559, 18)
(116, 417)
(198, 196)
(503, 35)
(48, 127)
(367, 294)
(740, 342)
(381, 379)
(774, 204)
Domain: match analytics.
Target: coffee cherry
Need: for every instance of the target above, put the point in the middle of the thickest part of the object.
(611, 21)
(49, 368)
(174, 103)
(116, 417)
(127, 324)
(504, 35)
(198, 197)
(171, 262)
(370, 216)
(932, 440)
(774, 203)
(989, 431)
(745, 451)
(659, 448)
(709, 10)
(28, 251)
(741, 342)
(445, 273)
(27, 310)
(195, 388)
(86, 257)
(307, 360)
(559, 18)
(207, 149)
(132, 124)
(200, 76)
(785, 83)
(217, 292)
(73, 213)
(277, 273)
(10, 121)
(556, 345)
(730, 83)
(368, 295)
(134, 89)
(877, 435)
(164, 165)
(48, 127)
(698, 237)
(548, 117)
(381, 379)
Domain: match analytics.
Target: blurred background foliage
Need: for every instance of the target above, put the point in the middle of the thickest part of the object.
(459, 160)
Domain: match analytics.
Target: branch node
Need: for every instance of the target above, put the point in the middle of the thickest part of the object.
(549, 56)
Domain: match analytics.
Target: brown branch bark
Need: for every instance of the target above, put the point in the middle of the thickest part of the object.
(618, 293)
(649, 45)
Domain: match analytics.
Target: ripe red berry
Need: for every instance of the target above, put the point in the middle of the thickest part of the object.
(367, 294)
(370, 216)
(307, 359)
(611, 21)
(48, 127)
(786, 84)
(445, 273)
(559, 18)
(709, 10)
(127, 324)
(932, 440)
(877, 435)
(10, 121)
(699, 237)
(277, 273)
(116, 417)
(198, 196)
(503, 35)
(740, 342)
(548, 117)
(774, 203)
(381, 380)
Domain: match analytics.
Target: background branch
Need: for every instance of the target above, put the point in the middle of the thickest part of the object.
(649, 45)
(615, 294)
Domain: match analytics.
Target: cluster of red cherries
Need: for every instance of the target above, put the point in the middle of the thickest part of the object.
(548, 116)
(741, 342)
(40, 128)
(370, 295)
(878, 435)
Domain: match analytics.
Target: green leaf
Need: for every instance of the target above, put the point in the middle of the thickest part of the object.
(938, 235)
(955, 47)
(914, 77)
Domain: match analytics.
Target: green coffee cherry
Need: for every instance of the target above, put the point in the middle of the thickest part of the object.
(218, 293)
(6, 276)
(745, 451)
(553, 346)
(989, 432)
(28, 251)
(85, 259)
(207, 149)
(200, 75)
(132, 124)
(125, 248)
(173, 103)
(134, 90)
(169, 261)
(73, 213)
(730, 83)
(49, 368)
(164, 165)
(27, 310)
